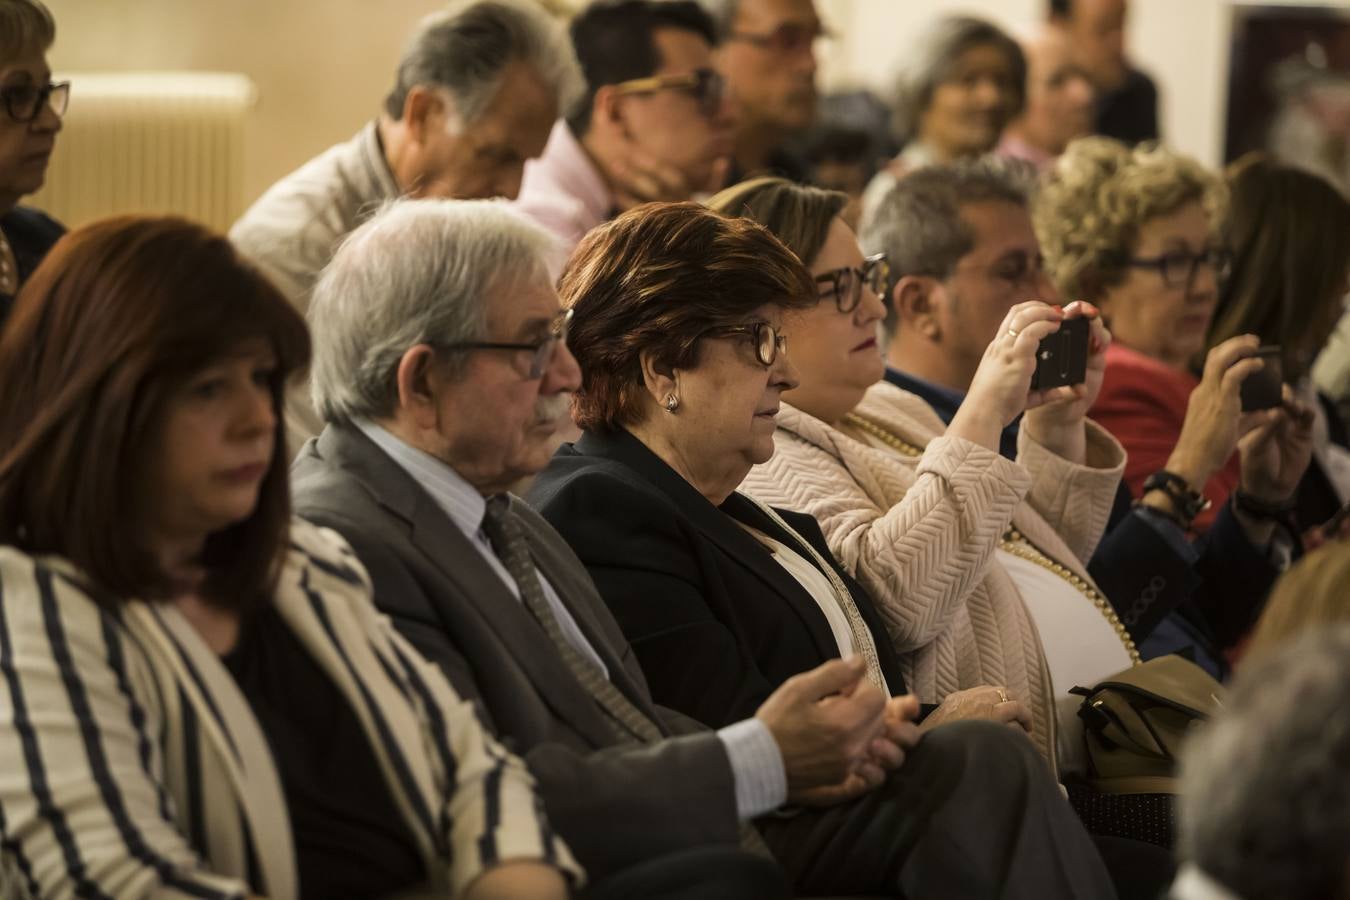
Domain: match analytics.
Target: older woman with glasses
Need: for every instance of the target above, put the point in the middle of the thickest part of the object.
(945, 534)
(679, 327)
(31, 107)
(1135, 231)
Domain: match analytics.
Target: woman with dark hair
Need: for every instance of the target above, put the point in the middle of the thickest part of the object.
(1289, 233)
(198, 697)
(31, 107)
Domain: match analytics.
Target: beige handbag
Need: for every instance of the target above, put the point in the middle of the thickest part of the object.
(1137, 720)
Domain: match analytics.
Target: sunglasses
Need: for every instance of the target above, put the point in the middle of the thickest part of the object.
(705, 85)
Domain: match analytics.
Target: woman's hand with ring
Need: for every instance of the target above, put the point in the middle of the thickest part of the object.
(990, 703)
(999, 391)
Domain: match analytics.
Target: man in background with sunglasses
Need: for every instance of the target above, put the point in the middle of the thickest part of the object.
(652, 125)
(768, 58)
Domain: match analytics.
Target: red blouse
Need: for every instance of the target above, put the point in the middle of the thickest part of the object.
(1143, 403)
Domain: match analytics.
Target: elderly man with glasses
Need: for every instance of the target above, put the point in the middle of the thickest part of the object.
(31, 107)
(652, 125)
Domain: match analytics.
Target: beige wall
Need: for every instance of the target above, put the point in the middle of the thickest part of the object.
(322, 66)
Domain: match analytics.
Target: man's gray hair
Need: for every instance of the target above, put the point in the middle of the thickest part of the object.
(419, 272)
(467, 47)
(723, 13)
(931, 59)
(1265, 787)
(918, 222)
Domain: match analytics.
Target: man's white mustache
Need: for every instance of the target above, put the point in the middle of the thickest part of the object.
(553, 408)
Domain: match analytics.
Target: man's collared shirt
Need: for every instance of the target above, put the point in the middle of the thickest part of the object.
(756, 763)
(564, 191)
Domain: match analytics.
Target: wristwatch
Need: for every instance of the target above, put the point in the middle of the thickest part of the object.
(1187, 502)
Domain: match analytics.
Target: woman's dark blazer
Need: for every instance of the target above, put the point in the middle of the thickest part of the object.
(716, 622)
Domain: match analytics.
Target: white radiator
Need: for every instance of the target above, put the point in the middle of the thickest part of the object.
(150, 142)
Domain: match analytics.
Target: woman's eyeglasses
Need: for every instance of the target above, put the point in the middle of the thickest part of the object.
(1177, 269)
(25, 102)
(768, 342)
(846, 284)
(706, 86)
(542, 351)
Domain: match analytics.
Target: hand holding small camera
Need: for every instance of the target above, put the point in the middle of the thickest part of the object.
(1214, 419)
(1070, 366)
(1276, 450)
(999, 391)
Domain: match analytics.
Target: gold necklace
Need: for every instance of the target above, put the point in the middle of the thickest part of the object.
(1016, 543)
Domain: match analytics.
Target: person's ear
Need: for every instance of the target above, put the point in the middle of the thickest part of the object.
(417, 382)
(661, 380)
(607, 110)
(917, 300)
(427, 110)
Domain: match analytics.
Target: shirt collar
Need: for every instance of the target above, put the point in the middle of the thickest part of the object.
(456, 497)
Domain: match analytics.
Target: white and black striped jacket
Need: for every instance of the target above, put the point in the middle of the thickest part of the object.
(132, 767)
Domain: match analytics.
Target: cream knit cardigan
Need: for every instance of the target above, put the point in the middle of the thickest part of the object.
(920, 533)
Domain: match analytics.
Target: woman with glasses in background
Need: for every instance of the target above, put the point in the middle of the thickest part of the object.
(1136, 232)
(31, 107)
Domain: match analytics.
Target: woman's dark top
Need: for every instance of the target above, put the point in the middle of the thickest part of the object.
(716, 622)
(350, 839)
(30, 235)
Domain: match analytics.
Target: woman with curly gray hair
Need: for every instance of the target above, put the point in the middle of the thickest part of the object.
(1134, 231)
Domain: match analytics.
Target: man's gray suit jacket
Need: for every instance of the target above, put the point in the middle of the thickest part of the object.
(614, 805)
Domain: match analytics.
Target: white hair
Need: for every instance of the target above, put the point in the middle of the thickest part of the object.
(466, 48)
(420, 271)
(1265, 786)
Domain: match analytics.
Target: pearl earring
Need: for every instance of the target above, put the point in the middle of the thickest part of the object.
(672, 403)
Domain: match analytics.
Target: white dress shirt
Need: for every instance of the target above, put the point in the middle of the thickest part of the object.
(756, 763)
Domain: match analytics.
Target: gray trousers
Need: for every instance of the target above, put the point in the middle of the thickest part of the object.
(973, 813)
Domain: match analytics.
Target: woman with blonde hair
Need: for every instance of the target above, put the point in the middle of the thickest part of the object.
(1136, 231)
(1309, 597)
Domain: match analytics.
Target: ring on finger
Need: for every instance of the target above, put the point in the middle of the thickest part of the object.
(1013, 333)
(1002, 695)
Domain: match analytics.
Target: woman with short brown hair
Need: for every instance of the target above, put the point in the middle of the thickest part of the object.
(197, 697)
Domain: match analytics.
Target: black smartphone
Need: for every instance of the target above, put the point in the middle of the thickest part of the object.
(1062, 357)
(1264, 389)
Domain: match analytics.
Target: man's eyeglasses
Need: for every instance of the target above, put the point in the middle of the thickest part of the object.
(706, 86)
(768, 342)
(25, 102)
(1177, 269)
(1017, 269)
(543, 351)
(846, 284)
(788, 39)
